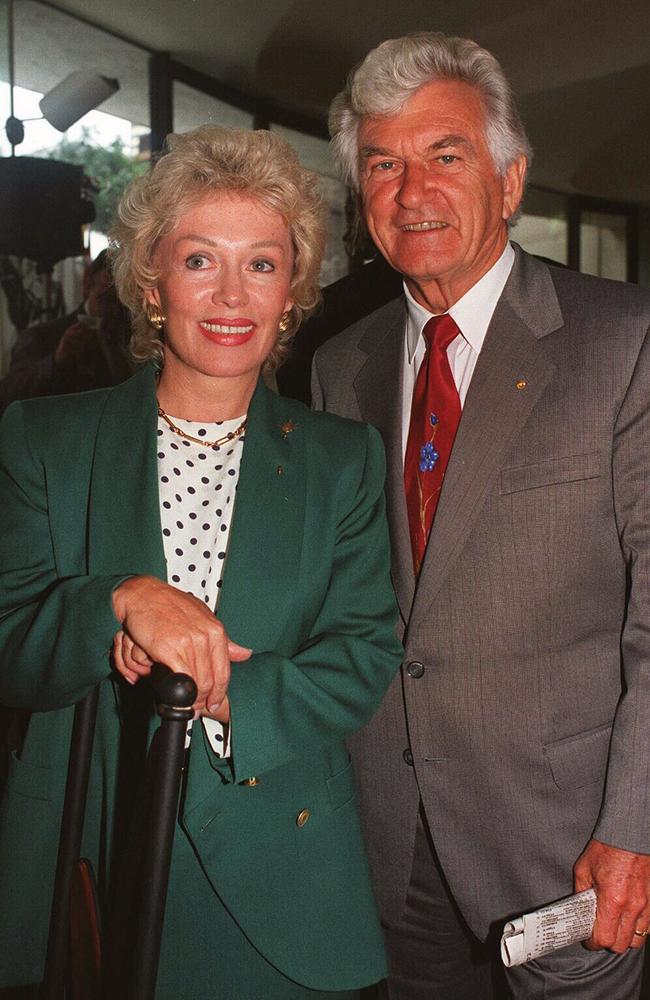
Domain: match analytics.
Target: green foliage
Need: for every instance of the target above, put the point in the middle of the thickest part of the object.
(108, 167)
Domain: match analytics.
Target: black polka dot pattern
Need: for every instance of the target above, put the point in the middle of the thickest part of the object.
(197, 500)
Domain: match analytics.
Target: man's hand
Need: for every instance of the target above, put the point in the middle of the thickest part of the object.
(622, 883)
(163, 624)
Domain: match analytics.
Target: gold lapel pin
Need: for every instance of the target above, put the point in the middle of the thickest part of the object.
(287, 427)
(521, 383)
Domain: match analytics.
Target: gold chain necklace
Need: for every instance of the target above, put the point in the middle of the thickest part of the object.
(238, 431)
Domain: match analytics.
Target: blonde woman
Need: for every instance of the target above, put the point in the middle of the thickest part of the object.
(191, 516)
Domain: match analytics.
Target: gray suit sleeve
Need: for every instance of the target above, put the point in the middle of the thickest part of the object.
(625, 816)
(317, 395)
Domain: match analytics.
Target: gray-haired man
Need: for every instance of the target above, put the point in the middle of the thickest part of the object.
(509, 764)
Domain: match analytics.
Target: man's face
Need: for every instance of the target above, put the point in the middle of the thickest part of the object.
(433, 201)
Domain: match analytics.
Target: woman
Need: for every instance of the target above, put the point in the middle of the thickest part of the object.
(125, 512)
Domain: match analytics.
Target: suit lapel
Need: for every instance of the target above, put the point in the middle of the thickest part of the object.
(378, 387)
(266, 534)
(124, 531)
(496, 409)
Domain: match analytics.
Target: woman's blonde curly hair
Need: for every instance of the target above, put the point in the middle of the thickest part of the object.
(213, 160)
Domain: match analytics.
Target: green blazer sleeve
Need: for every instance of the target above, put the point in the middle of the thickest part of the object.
(55, 632)
(284, 705)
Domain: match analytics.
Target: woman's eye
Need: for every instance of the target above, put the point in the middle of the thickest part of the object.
(448, 158)
(262, 265)
(196, 262)
(384, 165)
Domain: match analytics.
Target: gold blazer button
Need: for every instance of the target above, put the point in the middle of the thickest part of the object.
(302, 817)
(251, 781)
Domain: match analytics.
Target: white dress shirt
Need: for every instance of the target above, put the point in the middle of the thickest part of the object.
(472, 314)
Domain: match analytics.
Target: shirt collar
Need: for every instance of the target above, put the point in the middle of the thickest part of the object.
(473, 311)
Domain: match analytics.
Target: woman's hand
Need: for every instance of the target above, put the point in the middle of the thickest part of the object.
(163, 624)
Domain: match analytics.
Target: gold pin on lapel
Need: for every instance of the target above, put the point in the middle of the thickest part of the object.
(521, 383)
(287, 427)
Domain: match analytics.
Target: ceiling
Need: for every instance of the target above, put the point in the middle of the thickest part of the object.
(580, 68)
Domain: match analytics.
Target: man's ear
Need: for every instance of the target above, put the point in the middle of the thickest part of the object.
(513, 185)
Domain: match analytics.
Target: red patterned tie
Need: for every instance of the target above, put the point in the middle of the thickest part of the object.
(435, 413)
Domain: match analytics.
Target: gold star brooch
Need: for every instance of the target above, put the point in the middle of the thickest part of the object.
(287, 427)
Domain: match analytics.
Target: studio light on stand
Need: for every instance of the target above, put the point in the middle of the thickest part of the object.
(46, 202)
(66, 103)
(80, 92)
(75, 96)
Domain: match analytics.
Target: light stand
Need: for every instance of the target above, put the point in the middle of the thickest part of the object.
(80, 92)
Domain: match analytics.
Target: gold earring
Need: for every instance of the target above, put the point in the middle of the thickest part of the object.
(283, 325)
(154, 316)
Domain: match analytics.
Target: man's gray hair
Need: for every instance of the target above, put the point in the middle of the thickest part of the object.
(392, 72)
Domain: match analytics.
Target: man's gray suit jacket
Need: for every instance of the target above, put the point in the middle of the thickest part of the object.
(522, 713)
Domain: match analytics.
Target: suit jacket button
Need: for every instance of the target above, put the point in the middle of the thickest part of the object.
(415, 668)
(251, 781)
(408, 757)
(302, 817)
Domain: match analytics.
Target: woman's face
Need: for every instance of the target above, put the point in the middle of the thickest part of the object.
(225, 281)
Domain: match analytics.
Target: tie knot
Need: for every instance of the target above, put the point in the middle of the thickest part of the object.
(439, 331)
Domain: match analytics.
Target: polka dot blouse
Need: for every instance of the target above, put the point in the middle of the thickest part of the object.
(197, 486)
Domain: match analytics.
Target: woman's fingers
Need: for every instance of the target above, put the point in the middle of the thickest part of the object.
(118, 659)
(138, 654)
(130, 660)
(135, 658)
(165, 624)
(238, 653)
(221, 713)
(219, 668)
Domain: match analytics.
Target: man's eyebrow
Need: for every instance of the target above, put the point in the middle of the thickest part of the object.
(368, 151)
(450, 140)
(443, 143)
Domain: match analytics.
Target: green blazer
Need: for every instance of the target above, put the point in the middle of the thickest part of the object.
(306, 587)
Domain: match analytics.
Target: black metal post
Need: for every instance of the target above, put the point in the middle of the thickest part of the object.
(160, 100)
(175, 694)
(72, 820)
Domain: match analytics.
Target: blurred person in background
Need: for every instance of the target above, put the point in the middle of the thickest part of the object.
(87, 349)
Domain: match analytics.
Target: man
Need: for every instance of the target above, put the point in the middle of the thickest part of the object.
(515, 745)
(86, 349)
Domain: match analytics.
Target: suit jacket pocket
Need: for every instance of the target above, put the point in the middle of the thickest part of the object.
(340, 787)
(579, 760)
(565, 469)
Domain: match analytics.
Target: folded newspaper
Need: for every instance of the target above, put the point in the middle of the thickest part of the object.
(555, 926)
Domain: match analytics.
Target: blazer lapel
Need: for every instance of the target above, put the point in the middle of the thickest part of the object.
(378, 387)
(511, 374)
(124, 531)
(266, 534)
